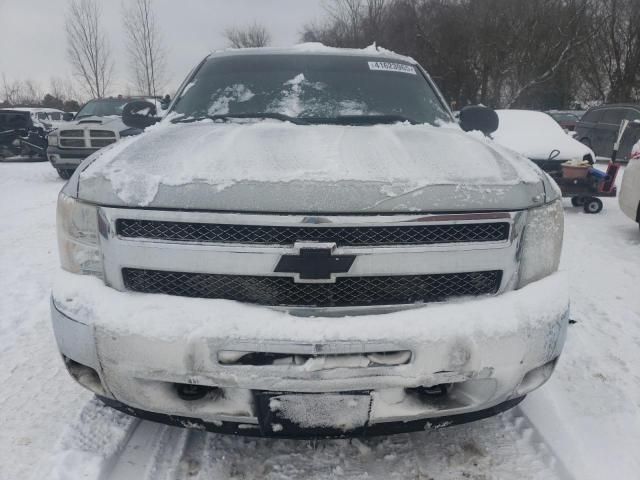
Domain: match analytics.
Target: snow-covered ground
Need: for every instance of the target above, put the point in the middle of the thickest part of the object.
(584, 424)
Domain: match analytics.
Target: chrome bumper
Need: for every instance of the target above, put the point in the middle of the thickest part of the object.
(488, 349)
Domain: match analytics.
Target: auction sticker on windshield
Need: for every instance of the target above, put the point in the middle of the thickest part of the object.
(392, 67)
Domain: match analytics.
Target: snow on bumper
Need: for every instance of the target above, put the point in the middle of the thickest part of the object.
(487, 350)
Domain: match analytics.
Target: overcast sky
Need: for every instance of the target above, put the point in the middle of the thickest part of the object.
(32, 36)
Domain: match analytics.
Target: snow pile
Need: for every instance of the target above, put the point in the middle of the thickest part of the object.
(400, 157)
(319, 48)
(290, 102)
(88, 298)
(345, 412)
(535, 135)
(236, 93)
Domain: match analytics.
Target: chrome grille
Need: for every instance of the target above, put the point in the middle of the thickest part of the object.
(101, 142)
(72, 142)
(283, 291)
(288, 235)
(102, 133)
(72, 133)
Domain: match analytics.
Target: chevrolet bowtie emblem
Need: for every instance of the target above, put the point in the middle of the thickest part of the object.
(315, 263)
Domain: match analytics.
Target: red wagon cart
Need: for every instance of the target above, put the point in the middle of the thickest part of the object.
(585, 188)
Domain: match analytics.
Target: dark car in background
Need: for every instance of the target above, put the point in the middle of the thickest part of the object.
(599, 127)
(566, 120)
(20, 136)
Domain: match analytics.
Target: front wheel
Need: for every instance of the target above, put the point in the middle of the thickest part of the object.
(592, 205)
(577, 201)
(65, 173)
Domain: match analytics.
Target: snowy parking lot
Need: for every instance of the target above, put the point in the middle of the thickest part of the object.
(584, 424)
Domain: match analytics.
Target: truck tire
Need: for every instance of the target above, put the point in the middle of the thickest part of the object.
(65, 173)
(592, 205)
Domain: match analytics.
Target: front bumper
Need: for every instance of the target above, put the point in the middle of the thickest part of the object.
(68, 158)
(384, 428)
(489, 352)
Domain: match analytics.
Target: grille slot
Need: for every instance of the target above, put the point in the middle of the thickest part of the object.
(72, 142)
(283, 291)
(72, 133)
(288, 235)
(101, 142)
(102, 133)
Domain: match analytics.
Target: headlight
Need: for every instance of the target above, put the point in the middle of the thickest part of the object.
(541, 243)
(52, 138)
(77, 224)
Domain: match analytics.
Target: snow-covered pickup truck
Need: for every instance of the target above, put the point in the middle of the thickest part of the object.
(308, 244)
(96, 125)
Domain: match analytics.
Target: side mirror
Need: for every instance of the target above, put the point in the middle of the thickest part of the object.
(67, 116)
(139, 114)
(165, 102)
(477, 117)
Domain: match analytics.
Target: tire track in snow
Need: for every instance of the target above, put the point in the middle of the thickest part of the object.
(504, 447)
(507, 446)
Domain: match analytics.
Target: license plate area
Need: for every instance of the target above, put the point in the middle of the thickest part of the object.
(312, 414)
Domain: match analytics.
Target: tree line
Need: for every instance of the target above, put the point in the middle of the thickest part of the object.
(92, 63)
(503, 53)
(536, 54)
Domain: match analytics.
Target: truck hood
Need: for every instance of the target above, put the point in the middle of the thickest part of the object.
(111, 123)
(271, 166)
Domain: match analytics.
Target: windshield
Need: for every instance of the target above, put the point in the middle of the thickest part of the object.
(49, 116)
(102, 108)
(320, 87)
(564, 117)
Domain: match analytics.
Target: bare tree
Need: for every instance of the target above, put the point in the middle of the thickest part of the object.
(11, 91)
(87, 47)
(147, 56)
(351, 23)
(63, 89)
(612, 60)
(254, 35)
(21, 92)
(499, 52)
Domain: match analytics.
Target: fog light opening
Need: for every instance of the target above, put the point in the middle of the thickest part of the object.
(85, 376)
(190, 392)
(433, 391)
(536, 378)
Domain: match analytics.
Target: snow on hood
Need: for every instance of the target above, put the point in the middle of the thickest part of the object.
(282, 166)
(535, 135)
(114, 122)
(314, 48)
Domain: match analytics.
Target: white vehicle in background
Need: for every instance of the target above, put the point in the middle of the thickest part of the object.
(96, 125)
(49, 118)
(540, 138)
(629, 198)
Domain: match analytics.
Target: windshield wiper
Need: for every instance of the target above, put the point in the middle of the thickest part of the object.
(340, 120)
(361, 119)
(227, 116)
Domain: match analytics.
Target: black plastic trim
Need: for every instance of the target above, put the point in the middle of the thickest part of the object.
(252, 430)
